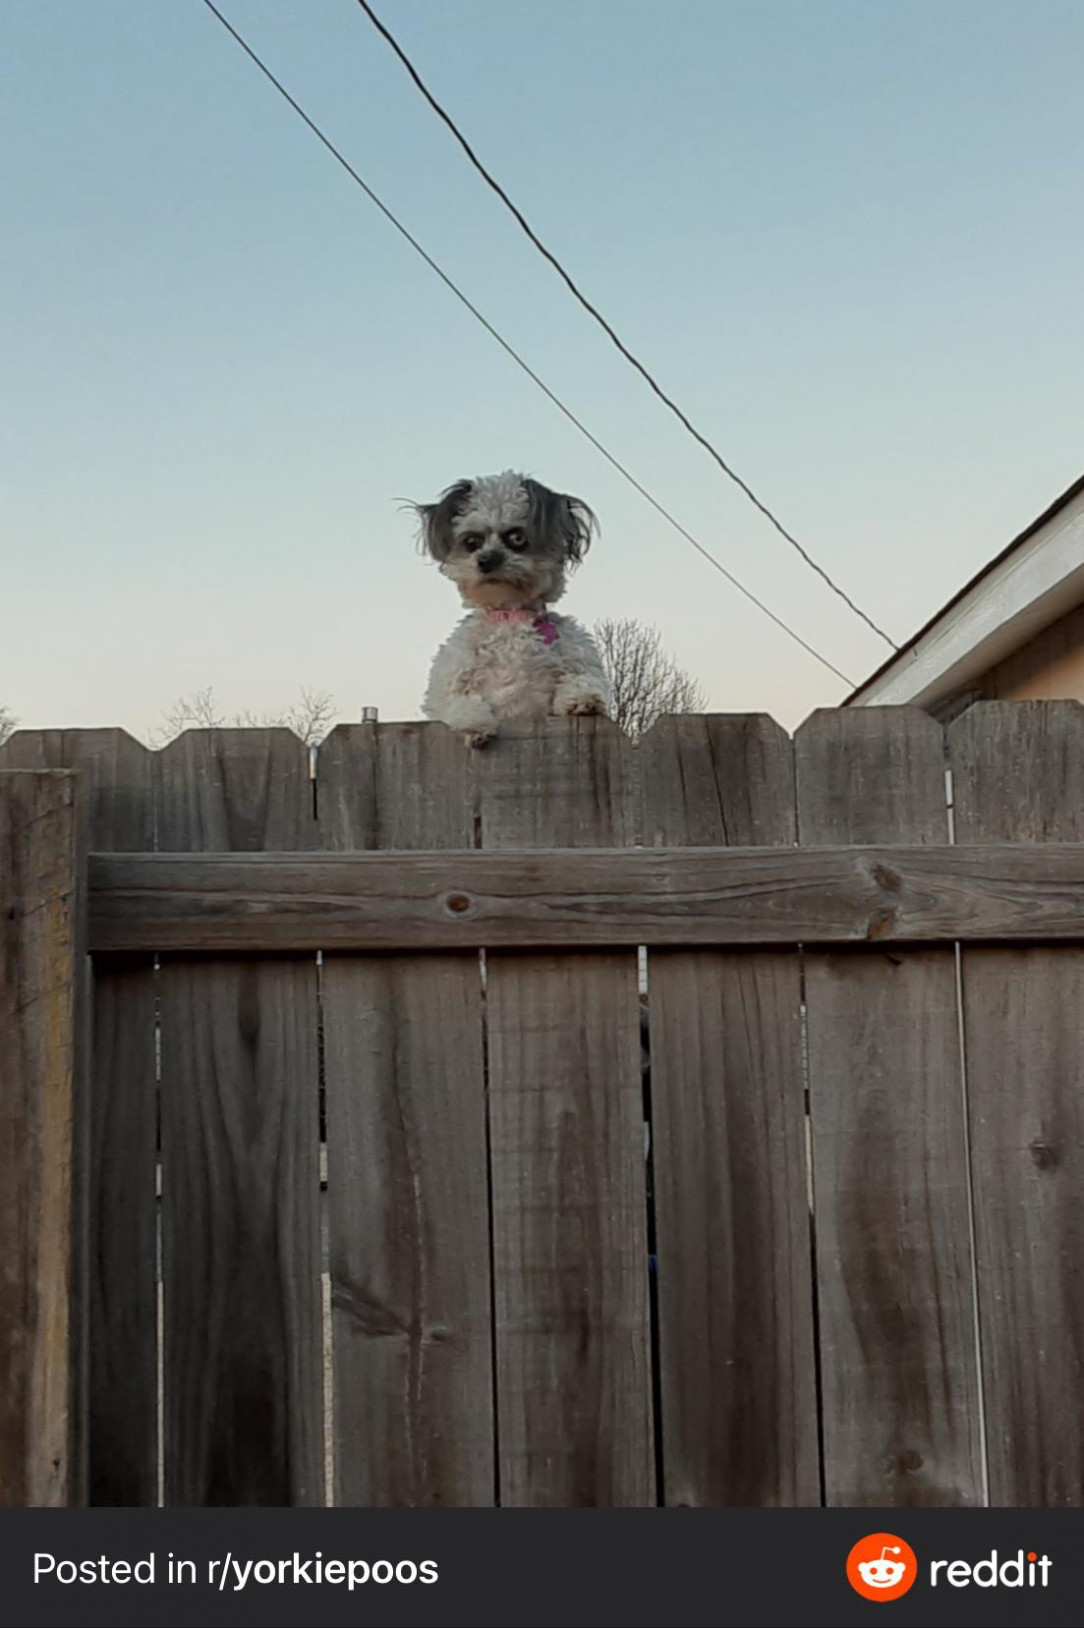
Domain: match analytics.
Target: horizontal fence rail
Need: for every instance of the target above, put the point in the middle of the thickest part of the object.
(538, 899)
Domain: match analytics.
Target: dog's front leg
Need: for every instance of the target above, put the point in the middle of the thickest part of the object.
(580, 695)
(582, 688)
(471, 717)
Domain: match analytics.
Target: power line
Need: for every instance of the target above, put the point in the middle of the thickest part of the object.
(505, 346)
(607, 329)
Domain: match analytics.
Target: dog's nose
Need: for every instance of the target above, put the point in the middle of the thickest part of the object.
(488, 563)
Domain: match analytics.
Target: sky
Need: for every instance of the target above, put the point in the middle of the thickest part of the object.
(843, 234)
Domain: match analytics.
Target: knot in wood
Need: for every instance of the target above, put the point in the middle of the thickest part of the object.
(886, 878)
(458, 903)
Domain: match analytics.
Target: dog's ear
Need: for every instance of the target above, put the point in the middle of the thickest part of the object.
(437, 536)
(561, 524)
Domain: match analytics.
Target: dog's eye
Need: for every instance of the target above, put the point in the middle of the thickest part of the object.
(473, 541)
(516, 538)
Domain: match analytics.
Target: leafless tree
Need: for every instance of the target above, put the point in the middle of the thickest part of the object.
(647, 683)
(310, 717)
(7, 724)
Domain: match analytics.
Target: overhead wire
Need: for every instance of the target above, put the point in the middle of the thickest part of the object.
(608, 330)
(505, 345)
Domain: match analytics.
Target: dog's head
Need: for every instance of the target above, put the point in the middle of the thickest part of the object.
(506, 540)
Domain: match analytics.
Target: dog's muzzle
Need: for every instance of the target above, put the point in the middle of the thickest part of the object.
(488, 563)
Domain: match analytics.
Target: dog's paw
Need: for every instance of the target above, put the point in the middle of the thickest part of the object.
(577, 703)
(472, 719)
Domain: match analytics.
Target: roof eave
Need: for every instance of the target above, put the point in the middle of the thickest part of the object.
(1038, 578)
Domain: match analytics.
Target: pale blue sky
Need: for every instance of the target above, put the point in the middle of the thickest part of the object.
(845, 235)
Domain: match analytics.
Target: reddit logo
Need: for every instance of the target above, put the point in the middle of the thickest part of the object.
(881, 1566)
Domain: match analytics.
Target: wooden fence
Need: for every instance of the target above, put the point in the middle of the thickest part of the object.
(364, 1214)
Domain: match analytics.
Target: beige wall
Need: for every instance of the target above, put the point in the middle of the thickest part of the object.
(1049, 667)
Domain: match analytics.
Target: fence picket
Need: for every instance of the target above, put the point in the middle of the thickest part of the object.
(738, 1389)
(894, 1265)
(407, 1184)
(240, 1156)
(1018, 774)
(567, 1149)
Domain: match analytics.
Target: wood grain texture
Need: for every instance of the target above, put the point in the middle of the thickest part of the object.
(407, 1164)
(544, 899)
(408, 1232)
(234, 791)
(113, 770)
(567, 1152)
(1018, 773)
(732, 1224)
(240, 1167)
(565, 783)
(115, 1260)
(394, 786)
(40, 953)
(240, 1235)
(895, 1272)
(123, 1202)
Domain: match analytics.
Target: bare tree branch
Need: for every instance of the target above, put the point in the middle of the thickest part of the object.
(8, 722)
(310, 717)
(647, 683)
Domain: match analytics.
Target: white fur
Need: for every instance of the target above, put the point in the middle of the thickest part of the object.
(507, 544)
(495, 501)
(488, 672)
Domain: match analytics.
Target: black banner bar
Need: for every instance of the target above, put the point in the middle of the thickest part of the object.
(527, 1567)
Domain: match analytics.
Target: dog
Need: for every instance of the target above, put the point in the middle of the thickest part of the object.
(508, 543)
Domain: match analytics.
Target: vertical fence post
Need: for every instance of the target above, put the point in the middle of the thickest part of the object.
(40, 961)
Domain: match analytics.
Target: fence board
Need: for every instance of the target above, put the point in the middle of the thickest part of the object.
(240, 1142)
(567, 1153)
(40, 955)
(1018, 772)
(895, 1273)
(407, 1179)
(116, 1253)
(732, 1224)
(547, 898)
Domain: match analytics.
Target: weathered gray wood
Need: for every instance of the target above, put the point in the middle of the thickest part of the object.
(895, 1271)
(1018, 772)
(565, 783)
(115, 1259)
(240, 1237)
(398, 786)
(547, 898)
(40, 954)
(407, 1173)
(567, 1154)
(732, 1225)
(240, 1166)
(123, 1427)
(718, 781)
(408, 1232)
(234, 791)
(113, 769)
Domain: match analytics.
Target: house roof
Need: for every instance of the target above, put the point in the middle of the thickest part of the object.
(1038, 578)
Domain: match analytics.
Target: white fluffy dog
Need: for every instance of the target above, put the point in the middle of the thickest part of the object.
(508, 542)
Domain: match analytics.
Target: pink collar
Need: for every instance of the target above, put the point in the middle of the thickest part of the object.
(541, 623)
